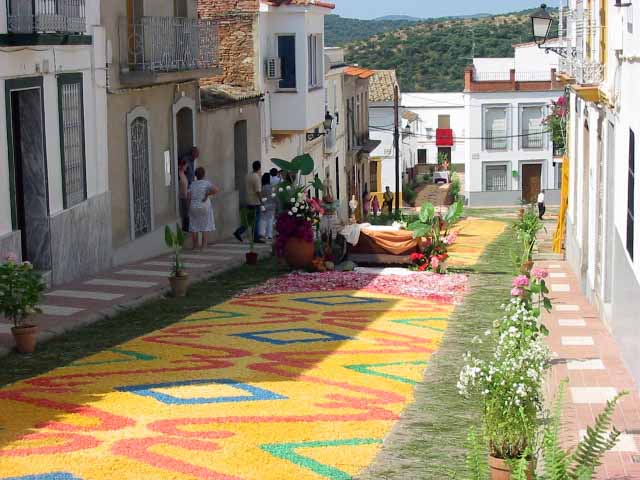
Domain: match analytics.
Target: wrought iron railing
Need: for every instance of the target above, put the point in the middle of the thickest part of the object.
(532, 138)
(46, 16)
(496, 140)
(167, 44)
(588, 72)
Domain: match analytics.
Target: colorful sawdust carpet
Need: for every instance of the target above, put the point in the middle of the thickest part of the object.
(270, 387)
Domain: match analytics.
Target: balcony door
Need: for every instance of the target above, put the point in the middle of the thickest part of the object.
(28, 169)
(135, 12)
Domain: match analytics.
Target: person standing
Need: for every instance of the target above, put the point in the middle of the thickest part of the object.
(387, 200)
(253, 201)
(267, 217)
(366, 203)
(201, 220)
(191, 159)
(541, 206)
(275, 177)
(183, 194)
(375, 206)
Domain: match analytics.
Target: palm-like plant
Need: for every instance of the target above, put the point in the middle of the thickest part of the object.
(175, 241)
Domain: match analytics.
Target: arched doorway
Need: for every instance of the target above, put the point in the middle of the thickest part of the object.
(184, 136)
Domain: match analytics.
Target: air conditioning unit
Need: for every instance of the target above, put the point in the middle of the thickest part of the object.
(274, 68)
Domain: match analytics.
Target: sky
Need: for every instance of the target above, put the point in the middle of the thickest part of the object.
(428, 8)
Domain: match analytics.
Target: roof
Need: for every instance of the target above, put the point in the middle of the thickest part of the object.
(359, 72)
(224, 95)
(381, 86)
(304, 3)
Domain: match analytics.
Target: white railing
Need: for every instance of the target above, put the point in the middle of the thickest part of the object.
(46, 16)
(491, 76)
(588, 72)
(533, 76)
(167, 44)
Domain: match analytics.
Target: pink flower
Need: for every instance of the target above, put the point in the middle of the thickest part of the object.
(451, 238)
(435, 262)
(517, 292)
(520, 281)
(539, 273)
(12, 257)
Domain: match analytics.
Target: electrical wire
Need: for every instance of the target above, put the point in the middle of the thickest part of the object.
(464, 138)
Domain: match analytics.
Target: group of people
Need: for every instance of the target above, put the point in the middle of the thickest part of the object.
(261, 202)
(373, 205)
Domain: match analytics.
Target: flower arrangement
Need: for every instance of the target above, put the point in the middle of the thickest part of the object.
(299, 215)
(436, 262)
(20, 290)
(557, 122)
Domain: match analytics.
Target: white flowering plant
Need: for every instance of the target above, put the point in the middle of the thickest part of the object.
(510, 381)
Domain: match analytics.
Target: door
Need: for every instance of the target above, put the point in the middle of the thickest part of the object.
(140, 177)
(599, 180)
(241, 157)
(28, 170)
(531, 182)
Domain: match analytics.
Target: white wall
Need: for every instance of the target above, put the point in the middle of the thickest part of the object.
(493, 65)
(530, 58)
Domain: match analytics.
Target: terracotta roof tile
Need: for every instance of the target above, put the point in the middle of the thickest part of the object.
(359, 72)
(381, 86)
(213, 97)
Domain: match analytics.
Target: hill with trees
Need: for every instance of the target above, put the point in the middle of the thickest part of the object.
(428, 55)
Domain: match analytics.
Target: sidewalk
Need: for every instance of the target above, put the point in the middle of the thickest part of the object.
(88, 300)
(587, 355)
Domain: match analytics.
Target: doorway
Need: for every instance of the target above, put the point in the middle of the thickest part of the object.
(531, 181)
(184, 131)
(241, 157)
(28, 169)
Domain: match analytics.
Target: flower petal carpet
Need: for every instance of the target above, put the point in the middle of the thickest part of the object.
(270, 386)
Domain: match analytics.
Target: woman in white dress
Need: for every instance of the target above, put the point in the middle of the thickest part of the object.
(200, 209)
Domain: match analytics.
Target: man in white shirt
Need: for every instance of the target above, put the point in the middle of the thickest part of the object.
(275, 176)
(541, 207)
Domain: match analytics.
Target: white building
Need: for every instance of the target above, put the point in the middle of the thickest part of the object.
(54, 201)
(602, 243)
(441, 129)
(509, 154)
(291, 72)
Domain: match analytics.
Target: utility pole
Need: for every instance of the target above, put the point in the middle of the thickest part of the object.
(396, 141)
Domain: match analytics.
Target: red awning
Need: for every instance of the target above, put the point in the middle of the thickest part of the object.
(444, 137)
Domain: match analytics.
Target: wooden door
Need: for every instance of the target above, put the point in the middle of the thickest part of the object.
(531, 182)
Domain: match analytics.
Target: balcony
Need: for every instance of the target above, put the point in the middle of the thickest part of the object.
(496, 140)
(45, 22)
(532, 139)
(156, 48)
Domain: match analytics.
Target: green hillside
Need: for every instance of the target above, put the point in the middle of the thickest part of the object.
(429, 55)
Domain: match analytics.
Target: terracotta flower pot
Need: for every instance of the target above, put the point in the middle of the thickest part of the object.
(251, 258)
(25, 338)
(298, 253)
(179, 285)
(500, 469)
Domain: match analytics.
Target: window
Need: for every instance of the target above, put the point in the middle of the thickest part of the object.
(315, 55)
(422, 156)
(72, 151)
(287, 54)
(631, 193)
(496, 128)
(140, 193)
(444, 121)
(531, 127)
(496, 178)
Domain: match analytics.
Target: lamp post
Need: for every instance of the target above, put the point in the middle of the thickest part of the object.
(541, 23)
(327, 124)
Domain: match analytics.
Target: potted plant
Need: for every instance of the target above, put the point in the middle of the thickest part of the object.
(299, 213)
(249, 218)
(21, 288)
(178, 277)
(527, 228)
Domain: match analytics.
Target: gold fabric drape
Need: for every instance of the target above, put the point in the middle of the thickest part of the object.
(561, 228)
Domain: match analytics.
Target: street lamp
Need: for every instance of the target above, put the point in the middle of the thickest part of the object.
(541, 22)
(327, 124)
